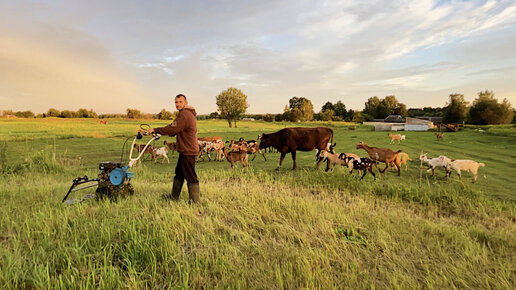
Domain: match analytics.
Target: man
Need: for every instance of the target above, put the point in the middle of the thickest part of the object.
(185, 127)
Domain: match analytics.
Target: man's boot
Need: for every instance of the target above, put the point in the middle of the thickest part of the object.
(193, 191)
(176, 189)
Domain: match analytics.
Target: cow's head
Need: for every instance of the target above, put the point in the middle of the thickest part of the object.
(265, 141)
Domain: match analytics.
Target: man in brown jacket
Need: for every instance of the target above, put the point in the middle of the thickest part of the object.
(185, 128)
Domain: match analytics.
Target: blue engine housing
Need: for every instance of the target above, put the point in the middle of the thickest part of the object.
(119, 175)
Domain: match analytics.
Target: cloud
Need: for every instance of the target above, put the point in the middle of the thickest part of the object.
(145, 52)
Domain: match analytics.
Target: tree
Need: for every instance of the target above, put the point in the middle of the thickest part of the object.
(390, 106)
(301, 109)
(426, 111)
(268, 117)
(328, 106)
(53, 113)
(133, 114)
(25, 114)
(83, 113)
(486, 110)
(357, 117)
(67, 114)
(380, 109)
(340, 110)
(371, 106)
(296, 115)
(232, 104)
(165, 115)
(456, 109)
(214, 115)
(326, 115)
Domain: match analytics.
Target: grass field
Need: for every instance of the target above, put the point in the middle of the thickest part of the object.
(255, 228)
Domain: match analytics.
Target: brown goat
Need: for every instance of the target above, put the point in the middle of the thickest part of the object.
(439, 136)
(383, 155)
(149, 150)
(236, 156)
(253, 148)
(172, 146)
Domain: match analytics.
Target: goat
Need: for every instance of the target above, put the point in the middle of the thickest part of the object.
(218, 147)
(437, 162)
(205, 147)
(364, 164)
(103, 122)
(402, 159)
(210, 139)
(160, 152)
(348, 158)
(466, 165)
(172, 146)
(236, 156)
(330, 148)
(439, 136)
(333, 158)
(359, 163)
(140, 147)
(253, 148)
(237, 146)
(383, 155)
(397, 137)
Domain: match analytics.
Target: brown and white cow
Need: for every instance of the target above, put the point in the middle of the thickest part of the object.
(290, 140)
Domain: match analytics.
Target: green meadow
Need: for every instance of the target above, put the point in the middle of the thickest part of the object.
(256, 227)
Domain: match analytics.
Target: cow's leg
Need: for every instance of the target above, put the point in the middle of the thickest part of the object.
(282, 157)
(293, 159)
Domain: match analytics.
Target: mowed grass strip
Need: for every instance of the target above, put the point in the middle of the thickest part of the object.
(259, 228)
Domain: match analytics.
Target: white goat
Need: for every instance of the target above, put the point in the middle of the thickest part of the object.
(466, 165)
(160, 152)
(437, 162)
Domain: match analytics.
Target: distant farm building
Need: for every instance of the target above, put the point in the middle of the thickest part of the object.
(397, 123)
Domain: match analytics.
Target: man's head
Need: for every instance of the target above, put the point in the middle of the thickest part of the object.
(181, 102)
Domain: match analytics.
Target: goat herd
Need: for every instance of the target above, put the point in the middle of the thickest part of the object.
(290, 140)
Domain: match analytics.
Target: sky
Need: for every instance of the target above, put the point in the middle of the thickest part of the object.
(112, 55)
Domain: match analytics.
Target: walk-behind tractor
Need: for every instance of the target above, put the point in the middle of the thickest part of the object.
(114, 179)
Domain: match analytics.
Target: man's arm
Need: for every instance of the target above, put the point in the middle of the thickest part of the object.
(173, 128)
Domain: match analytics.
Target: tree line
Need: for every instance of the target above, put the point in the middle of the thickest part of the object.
(84, 113)
(232, 106)
(484, 110)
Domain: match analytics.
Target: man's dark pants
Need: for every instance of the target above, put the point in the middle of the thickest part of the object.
(185, 169)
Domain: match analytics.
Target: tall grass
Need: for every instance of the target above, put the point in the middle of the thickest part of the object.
(254, 228)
